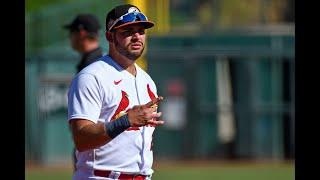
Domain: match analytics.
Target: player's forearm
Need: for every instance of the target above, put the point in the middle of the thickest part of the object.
(90, 136)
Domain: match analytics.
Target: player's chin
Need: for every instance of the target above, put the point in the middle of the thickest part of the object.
(135, 55)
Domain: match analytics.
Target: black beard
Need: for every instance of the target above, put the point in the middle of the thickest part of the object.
(123, 51)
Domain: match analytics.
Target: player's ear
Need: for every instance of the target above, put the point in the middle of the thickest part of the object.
(109, 36)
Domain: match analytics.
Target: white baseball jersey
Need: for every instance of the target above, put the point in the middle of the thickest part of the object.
(101, 92)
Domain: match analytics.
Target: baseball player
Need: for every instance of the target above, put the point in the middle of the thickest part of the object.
(112, 105)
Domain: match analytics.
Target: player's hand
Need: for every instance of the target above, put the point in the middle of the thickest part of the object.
(142, 115)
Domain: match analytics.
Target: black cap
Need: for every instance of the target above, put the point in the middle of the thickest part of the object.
(120, 10)
(87, 22)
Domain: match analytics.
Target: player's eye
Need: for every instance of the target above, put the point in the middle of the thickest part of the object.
(126, 33)
(130, 32)
(141, 31)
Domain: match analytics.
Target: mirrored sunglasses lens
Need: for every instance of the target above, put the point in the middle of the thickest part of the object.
(128, 18)
(133, 17)
(142, 17)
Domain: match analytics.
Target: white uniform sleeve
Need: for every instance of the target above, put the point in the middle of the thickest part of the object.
(84, 98)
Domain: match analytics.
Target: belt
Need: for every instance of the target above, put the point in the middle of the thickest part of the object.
(123, 176)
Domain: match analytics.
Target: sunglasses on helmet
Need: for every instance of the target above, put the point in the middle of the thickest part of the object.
(129, 17)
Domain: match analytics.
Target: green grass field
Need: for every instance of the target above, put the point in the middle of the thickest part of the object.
(191, 171)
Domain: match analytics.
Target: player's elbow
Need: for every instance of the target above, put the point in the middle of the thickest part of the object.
(81, 147)
(81, 143)
(87, 135)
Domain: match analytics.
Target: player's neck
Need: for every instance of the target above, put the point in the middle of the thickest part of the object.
(124, 62)
(132, 70)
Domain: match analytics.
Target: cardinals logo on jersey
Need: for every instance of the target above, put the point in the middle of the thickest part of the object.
(124, 103)
(151, 94)
(121, 110)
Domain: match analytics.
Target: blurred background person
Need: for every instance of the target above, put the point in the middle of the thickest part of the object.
(84, 38)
